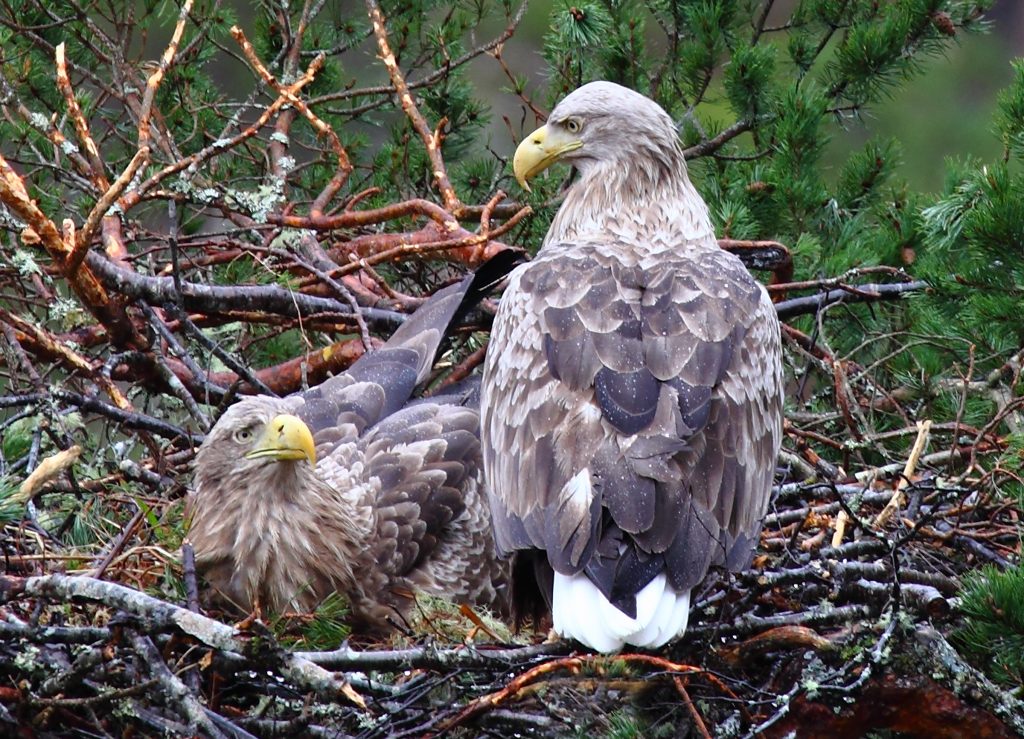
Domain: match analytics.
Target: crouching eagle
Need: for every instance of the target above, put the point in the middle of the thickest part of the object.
(350, 488)
(631, 407)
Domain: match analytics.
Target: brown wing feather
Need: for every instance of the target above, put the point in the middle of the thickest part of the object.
(423, 457)
(662, 381)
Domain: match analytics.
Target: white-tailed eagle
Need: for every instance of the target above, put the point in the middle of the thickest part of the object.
(351, 488)
(631, 407)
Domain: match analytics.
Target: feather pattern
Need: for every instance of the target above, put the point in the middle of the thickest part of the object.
(632, 391)
(393, 505)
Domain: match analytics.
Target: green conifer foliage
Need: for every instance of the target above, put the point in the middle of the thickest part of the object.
(994, 632)
(975, 241)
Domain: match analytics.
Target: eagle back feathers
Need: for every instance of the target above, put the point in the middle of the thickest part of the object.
(658, 375)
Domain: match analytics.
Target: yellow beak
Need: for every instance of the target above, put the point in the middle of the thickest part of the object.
(286, 437)
(540, 150)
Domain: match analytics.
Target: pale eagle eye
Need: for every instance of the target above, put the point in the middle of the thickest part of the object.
(244, 436)
(573, 125)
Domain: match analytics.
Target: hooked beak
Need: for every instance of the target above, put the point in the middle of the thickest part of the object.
(540, 150)
(286, 437)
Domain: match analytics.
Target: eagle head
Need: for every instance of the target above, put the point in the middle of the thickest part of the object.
(601, 122)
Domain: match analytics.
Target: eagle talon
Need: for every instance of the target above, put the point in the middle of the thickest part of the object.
(256, 615)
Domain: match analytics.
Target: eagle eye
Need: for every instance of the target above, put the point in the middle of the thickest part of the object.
(244, 435)
(573, 125)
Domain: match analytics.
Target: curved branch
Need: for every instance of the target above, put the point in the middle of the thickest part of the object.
(127, 419)
(717, 142)
(433, 658)
(852, 294)
(217, 299)
(64, 588)
(767, 255)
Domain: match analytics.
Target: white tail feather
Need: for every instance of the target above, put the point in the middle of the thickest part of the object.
(581, 612)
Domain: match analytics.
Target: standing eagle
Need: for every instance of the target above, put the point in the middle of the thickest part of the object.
(631, 402)
(348, 487)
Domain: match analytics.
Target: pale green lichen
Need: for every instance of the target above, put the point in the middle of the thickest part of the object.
(28, 660)
(731, 726)
(7, 219)
(206, 195)
(289, 238)
(67, 312)
(368, 721)
(124, 709)
(260, 203)
(25, 263)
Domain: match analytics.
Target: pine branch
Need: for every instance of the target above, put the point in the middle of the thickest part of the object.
(870, 293)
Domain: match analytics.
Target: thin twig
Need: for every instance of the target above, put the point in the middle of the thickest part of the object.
(431, 139)
(897, 499)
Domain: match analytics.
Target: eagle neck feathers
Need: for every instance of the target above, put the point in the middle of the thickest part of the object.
(266, 536)
(641, 197)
